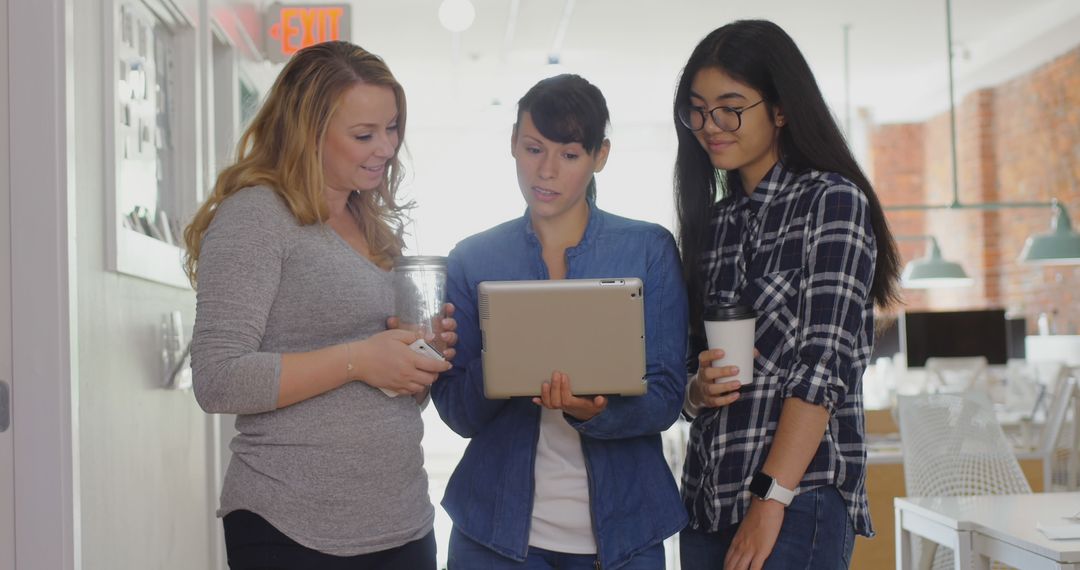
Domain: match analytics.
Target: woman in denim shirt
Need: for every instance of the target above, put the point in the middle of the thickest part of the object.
(561, 481)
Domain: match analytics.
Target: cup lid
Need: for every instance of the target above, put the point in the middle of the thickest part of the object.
(728, 312)
(413, 261)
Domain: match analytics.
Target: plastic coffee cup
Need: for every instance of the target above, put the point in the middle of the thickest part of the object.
(419, 294)
(731, 327)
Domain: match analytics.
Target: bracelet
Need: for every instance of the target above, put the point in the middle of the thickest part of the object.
(348, 363)
(693, 406)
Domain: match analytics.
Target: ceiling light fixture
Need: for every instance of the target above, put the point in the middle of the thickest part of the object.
(554, 57)
(1059, 246)
(1056, 247)
(456, 15)
(932, 271)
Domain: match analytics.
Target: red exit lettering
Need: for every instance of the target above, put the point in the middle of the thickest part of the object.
(300, 26)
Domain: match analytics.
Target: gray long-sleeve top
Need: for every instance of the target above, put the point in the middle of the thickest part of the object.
(341, 472)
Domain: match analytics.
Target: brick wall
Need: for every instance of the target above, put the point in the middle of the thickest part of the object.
(897, 169)
(1016, 142)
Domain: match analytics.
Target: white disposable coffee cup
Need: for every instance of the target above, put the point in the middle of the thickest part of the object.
(730, 327)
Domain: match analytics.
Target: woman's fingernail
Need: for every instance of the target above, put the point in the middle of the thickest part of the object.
(734, 370)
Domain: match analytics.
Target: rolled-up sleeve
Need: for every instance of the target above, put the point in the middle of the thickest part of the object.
(837, 276)
(238, 277)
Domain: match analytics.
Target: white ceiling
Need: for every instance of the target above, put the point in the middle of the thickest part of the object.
(633, 49)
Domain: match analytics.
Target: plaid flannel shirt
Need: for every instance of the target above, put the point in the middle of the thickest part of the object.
(801, 251)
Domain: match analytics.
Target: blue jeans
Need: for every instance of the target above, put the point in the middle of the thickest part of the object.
(467, 554)
(817, 534)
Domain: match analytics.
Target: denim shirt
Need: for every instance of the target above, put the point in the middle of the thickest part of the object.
(633, 496)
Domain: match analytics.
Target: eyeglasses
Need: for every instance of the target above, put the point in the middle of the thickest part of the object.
(727, 119)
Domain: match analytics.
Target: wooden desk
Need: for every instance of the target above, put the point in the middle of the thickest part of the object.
(990, 528)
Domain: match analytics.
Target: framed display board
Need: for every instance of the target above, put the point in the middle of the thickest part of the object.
(153, 166)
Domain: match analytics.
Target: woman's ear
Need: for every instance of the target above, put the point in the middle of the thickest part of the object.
(779, 118)
(513, 141)
(602, 154)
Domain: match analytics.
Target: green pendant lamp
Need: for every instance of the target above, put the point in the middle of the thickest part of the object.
(1059, 246)
(933, 271)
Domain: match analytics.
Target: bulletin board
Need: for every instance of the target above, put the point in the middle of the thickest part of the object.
(153, 169)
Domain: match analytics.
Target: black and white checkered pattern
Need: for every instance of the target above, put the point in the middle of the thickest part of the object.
(801, 251)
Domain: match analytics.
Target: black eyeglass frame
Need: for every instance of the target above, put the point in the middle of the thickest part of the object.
(684, 115)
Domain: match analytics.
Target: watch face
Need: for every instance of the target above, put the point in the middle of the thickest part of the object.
(760, 485)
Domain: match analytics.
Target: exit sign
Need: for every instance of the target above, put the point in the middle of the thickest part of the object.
(291, 27)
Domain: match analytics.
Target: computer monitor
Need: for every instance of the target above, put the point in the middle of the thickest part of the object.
(886, 337)
(1015, 333)
(953, 334)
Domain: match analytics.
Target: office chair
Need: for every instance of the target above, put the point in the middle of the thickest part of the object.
(953, 446)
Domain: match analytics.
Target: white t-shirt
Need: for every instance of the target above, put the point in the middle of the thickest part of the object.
(561, 517)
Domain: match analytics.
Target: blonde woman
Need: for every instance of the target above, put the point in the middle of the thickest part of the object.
(290, 255)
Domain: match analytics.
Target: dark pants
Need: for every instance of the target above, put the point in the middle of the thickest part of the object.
(254, 544)
(816, 535)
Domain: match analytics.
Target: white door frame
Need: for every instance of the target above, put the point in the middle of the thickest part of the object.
(42, 287)
(7, 441)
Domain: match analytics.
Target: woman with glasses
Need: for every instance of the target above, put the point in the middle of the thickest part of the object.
(774, 213)
(565, 480)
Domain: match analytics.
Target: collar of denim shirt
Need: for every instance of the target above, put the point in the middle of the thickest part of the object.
(592, 228)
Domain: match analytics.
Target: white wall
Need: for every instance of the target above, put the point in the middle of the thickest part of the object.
(144, 451)
(464, 181)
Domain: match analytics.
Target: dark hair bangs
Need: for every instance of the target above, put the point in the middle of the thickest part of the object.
(567, 109)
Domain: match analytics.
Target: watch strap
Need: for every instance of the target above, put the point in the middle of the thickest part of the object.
(780, 494)
(766, 488)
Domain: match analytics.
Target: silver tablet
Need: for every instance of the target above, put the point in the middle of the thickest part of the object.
(593, 330)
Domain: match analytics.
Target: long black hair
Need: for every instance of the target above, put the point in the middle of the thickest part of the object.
(760, 54)
(568, 109)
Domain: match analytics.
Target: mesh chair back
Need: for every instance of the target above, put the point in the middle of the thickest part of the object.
(954, 446)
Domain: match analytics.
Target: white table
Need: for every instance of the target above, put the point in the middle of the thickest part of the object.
(985, 528)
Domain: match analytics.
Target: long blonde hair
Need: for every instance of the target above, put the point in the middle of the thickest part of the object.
(282, 149)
